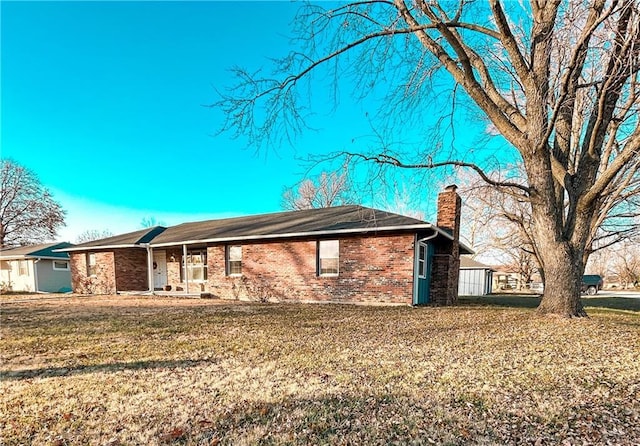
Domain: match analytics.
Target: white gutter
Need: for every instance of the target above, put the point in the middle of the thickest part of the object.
(430, 237)
(29, 257)
(305, 234)
(92, 248)
(35, 274)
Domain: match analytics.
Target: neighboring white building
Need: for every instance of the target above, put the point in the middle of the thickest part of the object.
(35, 269)
(475, 278)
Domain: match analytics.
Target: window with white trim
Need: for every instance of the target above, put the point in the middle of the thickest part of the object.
(60, 265)
(422, 260)
(23, 268)
(234, 260)
(91, 264)
(197, 265)
(328, 257)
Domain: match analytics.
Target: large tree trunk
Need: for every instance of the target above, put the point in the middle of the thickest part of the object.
(559, 247)
(563, 278)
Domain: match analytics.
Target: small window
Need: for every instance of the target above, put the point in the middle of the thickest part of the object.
(234, 260)
(328, 257)
(91, 264)
(23, 268)
(422, 260)
(60, 265)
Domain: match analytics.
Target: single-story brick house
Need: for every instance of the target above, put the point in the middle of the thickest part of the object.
(341, 254)
(35, 268)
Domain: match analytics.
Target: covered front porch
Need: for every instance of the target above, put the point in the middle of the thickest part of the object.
(180, 270)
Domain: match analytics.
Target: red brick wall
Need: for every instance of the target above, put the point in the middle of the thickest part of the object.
(372, 269)
(174, 264)
(131, 269)
(102, 283)
(117, 270)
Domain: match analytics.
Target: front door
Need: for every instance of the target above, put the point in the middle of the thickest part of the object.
(159, 269)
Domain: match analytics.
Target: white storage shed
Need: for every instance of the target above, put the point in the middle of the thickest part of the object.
(475, 278)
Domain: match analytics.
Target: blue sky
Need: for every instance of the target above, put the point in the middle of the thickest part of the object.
(106, 103)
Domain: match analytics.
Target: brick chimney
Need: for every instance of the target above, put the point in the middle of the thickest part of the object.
(446, 259)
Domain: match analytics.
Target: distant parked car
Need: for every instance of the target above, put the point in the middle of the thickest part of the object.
(591, 284)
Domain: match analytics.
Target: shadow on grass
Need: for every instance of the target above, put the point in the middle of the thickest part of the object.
(49, 372)
(520, 301)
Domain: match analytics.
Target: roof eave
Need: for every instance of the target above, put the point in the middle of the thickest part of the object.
(99, 247)
(488, 268)
(270, 236)
(450, 237)
(16, 257)
(32, 257)
(468, 250)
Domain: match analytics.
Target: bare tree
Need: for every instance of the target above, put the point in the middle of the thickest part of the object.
(93, 234)
(326, 190)
(404, 201)
(501, 223)
(150, 222)
(498, 226)
(28, 212)
(625, 263)
(557, 80)
(600, 263)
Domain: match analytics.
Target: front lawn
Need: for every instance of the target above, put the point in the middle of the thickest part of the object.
(124, 370)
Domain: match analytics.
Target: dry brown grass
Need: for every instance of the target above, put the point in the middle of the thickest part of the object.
(121, 370)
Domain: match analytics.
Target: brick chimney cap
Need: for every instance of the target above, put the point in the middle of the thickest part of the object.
(451, 187)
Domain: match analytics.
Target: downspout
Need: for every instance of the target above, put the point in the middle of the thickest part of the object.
(416, 253)
(430, 237)
(186, 275)
(35, 274)
(149, 267)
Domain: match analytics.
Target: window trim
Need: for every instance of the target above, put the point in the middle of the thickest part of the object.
(23, 268)
(92, 268)
(228, 261)
(55, 268)
(319, 259)
(422, 261)
(189, 266)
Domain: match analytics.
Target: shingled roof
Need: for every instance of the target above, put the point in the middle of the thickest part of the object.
(128, 240)
(305, 223)
(339, 219)
(469, 263)
(42, 251)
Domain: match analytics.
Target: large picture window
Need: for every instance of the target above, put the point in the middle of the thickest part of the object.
(328, 257)
(91, 264)
(197, 266)
(234, 260)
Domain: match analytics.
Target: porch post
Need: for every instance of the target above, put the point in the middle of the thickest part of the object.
(150, 269)
(186, 276)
